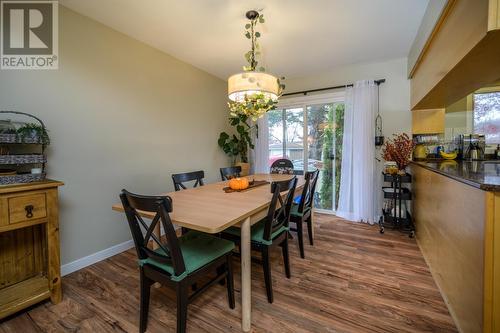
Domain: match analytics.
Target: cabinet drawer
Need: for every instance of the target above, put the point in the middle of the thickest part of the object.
(27, 207)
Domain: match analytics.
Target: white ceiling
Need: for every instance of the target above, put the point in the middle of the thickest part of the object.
(300, 37)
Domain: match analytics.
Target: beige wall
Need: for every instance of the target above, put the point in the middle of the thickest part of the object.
(120, 114)
(394, 93)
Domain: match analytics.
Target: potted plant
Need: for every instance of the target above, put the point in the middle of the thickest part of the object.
(33, 133)
(239, 143)
(399, 150)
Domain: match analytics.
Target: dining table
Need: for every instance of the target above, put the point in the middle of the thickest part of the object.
(211, 210)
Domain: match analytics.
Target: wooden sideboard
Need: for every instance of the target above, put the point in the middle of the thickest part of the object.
(29, 245)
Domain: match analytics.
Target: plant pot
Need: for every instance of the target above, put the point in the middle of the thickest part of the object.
(245, 168)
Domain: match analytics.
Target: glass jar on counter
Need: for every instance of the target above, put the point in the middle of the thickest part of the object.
(391, 167)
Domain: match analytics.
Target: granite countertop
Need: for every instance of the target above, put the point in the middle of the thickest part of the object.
(481, 174)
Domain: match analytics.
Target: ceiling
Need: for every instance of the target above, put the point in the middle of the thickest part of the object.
(299, 37)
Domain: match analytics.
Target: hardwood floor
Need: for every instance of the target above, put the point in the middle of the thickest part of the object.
(353, 280)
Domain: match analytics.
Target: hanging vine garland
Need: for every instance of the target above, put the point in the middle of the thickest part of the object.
(254, 105)
(252, 93)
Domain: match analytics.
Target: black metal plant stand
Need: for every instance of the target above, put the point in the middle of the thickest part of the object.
(394, 215)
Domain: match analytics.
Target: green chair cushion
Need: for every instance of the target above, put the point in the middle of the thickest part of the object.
(257, 232)
(198, 249)
(295, 210)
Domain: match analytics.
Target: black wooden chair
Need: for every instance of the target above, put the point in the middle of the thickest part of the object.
(178, 262)
(180, 178)
(230, 172)
(302, 212)
(271, 231)
(282, 166)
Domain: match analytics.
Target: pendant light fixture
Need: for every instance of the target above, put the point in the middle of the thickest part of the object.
(254, 83)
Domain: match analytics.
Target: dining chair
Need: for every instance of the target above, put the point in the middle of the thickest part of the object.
(301, 212)
(282, 166)
(178, 262)
(180, 178)
(230, 172)
(271, 231)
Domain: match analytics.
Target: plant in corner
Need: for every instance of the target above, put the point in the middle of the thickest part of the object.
(238, 144)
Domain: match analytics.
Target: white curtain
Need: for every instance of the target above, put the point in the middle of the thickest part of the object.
(260, 155)
(359, 181)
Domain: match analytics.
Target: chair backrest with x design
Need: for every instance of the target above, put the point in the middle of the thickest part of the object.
(307, 197)
(282, 166)
(279, 217)
(169, 252)
(180, 178)
(230, 172)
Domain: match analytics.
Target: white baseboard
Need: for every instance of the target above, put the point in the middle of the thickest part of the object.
(99, 256)
(95, 257)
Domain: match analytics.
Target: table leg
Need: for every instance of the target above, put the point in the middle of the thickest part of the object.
(246, 294)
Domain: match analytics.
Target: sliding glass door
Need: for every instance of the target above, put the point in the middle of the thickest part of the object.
(309, 133)
(324, 149)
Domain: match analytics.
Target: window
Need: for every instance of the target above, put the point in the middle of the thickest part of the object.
(286, 133)
(308, 131)
(487, 116)
(276, 146)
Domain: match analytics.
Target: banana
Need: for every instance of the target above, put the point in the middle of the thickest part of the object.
(448, 156)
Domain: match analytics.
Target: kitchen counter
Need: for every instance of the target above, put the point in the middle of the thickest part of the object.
(484, 175)
(456, 212)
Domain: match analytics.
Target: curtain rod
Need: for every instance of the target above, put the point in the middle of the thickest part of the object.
(305, 92)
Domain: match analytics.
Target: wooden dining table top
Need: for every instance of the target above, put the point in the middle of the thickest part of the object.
(209, 209)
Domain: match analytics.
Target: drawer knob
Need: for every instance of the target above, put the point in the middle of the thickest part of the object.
(29, 211)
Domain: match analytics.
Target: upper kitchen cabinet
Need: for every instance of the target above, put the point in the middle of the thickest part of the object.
(456, 52)
(428, 121)
(494, 15)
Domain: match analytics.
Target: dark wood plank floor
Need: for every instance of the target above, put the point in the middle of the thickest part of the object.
(353, 280)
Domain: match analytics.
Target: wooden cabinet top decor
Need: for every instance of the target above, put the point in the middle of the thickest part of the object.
(22, 148)
(29, 245)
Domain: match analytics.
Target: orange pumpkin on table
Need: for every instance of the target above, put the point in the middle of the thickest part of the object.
(238, 184)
